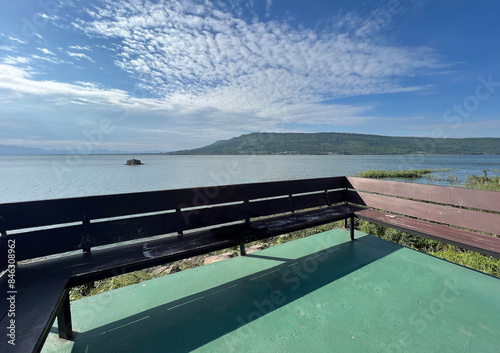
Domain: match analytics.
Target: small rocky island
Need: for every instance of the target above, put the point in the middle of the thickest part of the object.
(134, 161)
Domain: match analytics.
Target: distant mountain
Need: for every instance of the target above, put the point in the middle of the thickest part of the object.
(344, 143)
(6, 149)
(20, 150)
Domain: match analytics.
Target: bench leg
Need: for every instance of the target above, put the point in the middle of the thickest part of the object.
(64, 319)
(242, 249)
(351, 227)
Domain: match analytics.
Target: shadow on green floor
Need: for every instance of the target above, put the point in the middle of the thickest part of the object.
(193, 321)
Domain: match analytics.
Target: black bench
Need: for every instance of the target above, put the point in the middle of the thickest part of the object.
(466, 218)
(102, 236)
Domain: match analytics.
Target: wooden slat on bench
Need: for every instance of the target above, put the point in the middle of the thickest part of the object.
(481, 243)
(480, 221)
(126, 204)
(47, 242)
(480, 199)
(109, 232)
(48, 212)
(301, 220)
(36, 302)
(77, 237)
(20, 215)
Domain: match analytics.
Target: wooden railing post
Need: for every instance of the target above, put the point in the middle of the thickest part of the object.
(86, 246)
(351, 227)
(180, 232)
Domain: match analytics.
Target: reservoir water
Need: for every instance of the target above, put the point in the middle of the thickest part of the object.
(25, 178)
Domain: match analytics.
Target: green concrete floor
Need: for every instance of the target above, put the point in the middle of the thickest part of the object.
(318, 294)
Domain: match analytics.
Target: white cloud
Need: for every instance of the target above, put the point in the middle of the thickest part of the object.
(208, 58)
(80, 56)
(6, 48)
(269, 4)
(79, 47)
(46, 51)
(15, 79)
(14, 60)
(9, 72)
(44, 58)
(50, 18)
(17, 40)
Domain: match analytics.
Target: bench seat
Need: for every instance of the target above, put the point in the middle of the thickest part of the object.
(482, 243)
(47, 282)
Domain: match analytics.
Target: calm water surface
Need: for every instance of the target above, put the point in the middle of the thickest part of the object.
(24, 178)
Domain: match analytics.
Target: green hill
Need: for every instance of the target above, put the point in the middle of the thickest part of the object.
(343, 143)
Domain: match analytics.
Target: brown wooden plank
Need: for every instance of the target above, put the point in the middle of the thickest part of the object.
(98, 207)
(301, 220)
(4, 260)
(21, 215)
(225, 214)
(47, 242)
(338, 196)
(110, 232)
(58, 240)
(48, 212)
(309, 201)
(35, 307)
(481, 243)
(82, 268)
(282, 205)
(269, 207)
(480, 199)
(480, 221)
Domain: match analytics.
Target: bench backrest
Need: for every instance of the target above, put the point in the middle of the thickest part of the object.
(470, 209)
(42, 228)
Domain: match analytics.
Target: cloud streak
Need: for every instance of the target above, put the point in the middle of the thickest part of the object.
(46, 51)
(79, 56)
(202, 56)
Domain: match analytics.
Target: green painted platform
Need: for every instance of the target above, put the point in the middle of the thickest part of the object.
(319, 294)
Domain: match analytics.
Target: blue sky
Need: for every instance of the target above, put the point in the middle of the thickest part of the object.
(167, 75)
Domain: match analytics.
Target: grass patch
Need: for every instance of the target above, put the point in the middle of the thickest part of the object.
(410, 174)
(483, 182)
(474, 260)
(470, 259)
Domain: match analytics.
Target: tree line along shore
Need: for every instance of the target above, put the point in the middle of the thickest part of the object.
(334, 143)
